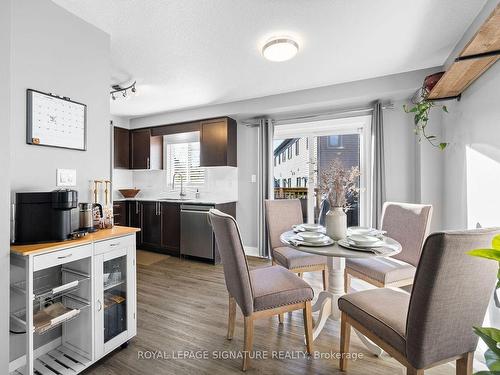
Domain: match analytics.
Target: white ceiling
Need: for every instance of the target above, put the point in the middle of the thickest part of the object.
(189, 53)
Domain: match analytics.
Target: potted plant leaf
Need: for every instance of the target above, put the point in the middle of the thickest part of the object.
(490, 336)
(421, 109)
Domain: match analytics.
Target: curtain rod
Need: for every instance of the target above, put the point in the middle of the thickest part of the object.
(310, 117)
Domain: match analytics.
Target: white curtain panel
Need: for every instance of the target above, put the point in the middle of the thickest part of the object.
(265, 180)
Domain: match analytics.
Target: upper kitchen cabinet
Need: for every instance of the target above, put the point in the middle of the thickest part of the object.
(218, 143)
(121, 148)
(146, 151)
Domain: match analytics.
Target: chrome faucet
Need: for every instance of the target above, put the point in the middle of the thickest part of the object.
(182, 193)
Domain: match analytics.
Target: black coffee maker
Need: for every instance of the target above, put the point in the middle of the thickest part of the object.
(44, 217)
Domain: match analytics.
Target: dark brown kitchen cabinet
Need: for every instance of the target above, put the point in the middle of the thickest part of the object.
(134, 219)
(171, 227)
(146, 151)
(218, 143)
(151, 224)
(120, 213)
(121, 147)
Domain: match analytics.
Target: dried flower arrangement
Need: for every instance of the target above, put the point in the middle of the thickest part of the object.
(340, 184)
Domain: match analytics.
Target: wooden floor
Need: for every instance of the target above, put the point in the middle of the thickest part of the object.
(182, 306)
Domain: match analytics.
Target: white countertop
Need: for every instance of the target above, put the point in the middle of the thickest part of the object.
(178, 200)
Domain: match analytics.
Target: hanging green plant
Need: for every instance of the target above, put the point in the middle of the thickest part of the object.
(421, 109)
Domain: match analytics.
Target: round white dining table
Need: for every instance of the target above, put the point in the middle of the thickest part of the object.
(327, 302)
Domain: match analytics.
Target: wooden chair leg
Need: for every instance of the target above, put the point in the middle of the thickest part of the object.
(345, 339)
(347, 281)
(464, 364)
(281, 318)
(231, 318)
(308, 326)
(413, 371)
(325, 278)
(248, 342)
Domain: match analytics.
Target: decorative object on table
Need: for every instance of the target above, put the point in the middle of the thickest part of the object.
(55, 121)
(129, 193)
(340, 186)
(491, 336)
(421, 108)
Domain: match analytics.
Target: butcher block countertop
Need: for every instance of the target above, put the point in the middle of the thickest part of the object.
(100, 235)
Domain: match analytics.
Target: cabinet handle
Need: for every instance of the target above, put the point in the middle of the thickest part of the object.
(114, 244)
(64, 256)
(100, 305)
(147, 162)
(136, 207)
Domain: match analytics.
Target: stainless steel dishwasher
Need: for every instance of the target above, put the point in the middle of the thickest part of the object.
(197, 238)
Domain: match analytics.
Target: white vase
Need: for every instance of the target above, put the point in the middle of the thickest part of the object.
(336, 223)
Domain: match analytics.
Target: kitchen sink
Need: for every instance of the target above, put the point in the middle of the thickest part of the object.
(175, 199)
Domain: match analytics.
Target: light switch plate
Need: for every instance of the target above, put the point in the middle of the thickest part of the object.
(66, 177)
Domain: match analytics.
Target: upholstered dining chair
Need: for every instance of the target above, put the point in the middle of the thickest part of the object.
(409, 225)
(261, 292)
(433, 324)
(281, 214)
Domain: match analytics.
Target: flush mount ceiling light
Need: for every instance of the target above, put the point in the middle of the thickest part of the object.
(123, 90)
(280, 49)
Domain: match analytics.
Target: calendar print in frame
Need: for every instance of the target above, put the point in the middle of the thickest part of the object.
(55, 122)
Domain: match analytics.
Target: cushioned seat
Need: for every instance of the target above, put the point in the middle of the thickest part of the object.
(276, 286)
(291, 258)
(384, 311)
(384, 270)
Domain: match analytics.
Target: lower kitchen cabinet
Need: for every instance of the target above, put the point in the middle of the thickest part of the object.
(171, 227)
(151, 224)
(115, 302)
(134, 218)
(120, 213)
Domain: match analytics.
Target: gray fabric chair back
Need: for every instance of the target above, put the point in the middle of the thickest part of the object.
(234, 262)
(409, 225)
(450, 295)
(281, 214)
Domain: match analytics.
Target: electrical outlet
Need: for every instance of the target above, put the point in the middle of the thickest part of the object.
(66, 177)
(253, 179)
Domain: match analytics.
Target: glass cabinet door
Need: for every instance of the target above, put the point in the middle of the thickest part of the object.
(115, 297)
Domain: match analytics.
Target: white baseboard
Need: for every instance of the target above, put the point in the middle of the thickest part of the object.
(251, 251)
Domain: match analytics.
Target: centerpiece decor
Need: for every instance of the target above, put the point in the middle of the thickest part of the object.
(340, 186)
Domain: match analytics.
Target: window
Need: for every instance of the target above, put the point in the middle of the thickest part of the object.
(299, 181)
(289, 152)
(297, 147)
(334, 141)
(289, 182)
(184, 158)
(283, 157)
(275, 161)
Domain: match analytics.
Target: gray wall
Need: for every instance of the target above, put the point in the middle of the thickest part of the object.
(400, 141)
(473, 122)
(55, 51)
(5, 34)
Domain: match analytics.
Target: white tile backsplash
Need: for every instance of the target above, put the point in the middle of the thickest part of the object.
(221, 183)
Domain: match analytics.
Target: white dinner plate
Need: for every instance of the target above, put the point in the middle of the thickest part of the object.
(328, 241)
(363, 240)
(346, 244)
